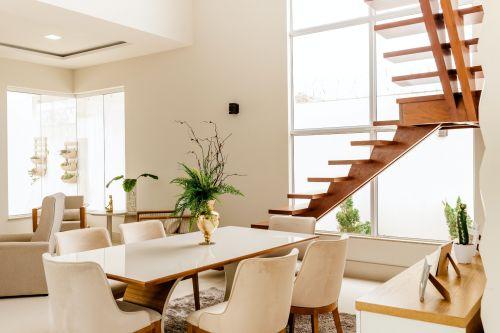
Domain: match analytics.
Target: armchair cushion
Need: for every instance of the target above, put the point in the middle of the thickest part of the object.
(16, 237)
(71, 215)
(22, 268)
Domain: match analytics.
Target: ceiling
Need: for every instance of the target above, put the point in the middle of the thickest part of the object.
(86, 40)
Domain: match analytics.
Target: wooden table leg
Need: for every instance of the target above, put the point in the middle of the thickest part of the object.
(230, 271)
(153, 297)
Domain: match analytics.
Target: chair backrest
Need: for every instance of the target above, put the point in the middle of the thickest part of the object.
(260, 299)
(302, 225)
(72, 206)
(50, 220)
(79, 240)
(81, 301)
(142, 231)
(319, 280)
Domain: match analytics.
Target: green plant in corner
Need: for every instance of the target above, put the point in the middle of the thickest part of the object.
(462, 225)
(207, 181)
(349, 220)
(450, 214)
(128, 184)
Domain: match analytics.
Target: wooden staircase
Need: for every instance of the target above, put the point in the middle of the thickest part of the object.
(421, 116)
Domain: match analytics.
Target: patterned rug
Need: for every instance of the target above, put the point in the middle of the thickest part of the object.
(180, 308)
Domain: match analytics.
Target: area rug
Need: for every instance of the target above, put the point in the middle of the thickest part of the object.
(180, 308)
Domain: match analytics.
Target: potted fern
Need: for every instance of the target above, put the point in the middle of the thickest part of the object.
(204, 184)
(464, 249)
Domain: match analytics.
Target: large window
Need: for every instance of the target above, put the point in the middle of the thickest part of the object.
(66, 144)
(341, 83)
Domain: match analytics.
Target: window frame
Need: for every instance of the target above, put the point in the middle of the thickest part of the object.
(371, 20)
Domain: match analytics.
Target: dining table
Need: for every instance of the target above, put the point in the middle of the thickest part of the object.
(153, 268)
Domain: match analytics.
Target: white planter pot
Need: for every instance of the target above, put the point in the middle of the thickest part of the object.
(464, 253)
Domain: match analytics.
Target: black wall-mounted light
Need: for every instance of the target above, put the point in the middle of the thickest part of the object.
(234, 108)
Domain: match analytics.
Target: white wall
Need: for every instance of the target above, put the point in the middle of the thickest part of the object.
(167, 18)
(239, 55)
(489, 53)
(26, 75)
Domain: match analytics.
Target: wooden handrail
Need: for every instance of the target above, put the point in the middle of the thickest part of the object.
(437, 37)
(461, 55)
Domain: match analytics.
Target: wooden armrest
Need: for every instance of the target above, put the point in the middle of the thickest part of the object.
(83, 217)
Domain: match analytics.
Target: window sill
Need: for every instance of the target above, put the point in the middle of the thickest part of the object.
(13, 218)
(385, 238)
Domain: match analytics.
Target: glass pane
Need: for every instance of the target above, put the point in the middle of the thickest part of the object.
(114, 122)
(311, 156)
(26, 152)
(412, 191)
(331, 78)
(59, 129)
(91, 145)
(308, 13)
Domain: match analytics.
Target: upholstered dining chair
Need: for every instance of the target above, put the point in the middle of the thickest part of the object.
(302, 225)
(21, 272)
(259, 302)
(81, 301)
(318, 283)
(153, 229)
(75, 216)
(85, 240)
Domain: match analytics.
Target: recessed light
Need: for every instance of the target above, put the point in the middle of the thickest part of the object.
(53, 37)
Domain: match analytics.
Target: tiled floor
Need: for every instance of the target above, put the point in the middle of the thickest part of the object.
(30, 314)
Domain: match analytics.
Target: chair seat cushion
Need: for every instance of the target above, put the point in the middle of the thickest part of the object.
(70, 225)
(117, 288)
(71, 215)
(130, 307)
(194, 318)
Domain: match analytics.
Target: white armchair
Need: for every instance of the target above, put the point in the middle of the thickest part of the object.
(81, 301)
(259, 301)
(21, 255)
(318, 283)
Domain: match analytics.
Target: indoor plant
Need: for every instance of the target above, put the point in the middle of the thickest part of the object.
(464, 250)
(204, 184)
(129, 186)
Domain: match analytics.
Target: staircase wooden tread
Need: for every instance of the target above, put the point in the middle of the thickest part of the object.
(429, 77)
(309, 196)
(375, 143)
(424, 52)
(328, 179)
(290, 210)
(413, 26)
(390, 4)
(349, 162)
(386, 123)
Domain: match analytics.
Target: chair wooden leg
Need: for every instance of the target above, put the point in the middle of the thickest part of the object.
(315, 322)
(336, 319)
(189, 328)
(291, 323)
(196, 292)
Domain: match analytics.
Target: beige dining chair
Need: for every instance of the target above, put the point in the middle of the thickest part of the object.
(259, 301)
(21, 271)
(318, 283)
(80, 240)
(81, 301)
(153, 229)
(302, 225)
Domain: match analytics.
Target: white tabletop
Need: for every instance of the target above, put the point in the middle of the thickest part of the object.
(160, 260)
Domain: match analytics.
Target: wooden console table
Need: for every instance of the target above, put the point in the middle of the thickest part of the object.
(395, 305)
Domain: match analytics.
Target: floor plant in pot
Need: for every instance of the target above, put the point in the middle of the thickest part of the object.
(203, 184)
(464, 249)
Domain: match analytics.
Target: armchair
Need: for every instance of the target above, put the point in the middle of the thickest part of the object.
(21, 255)
(75, 215)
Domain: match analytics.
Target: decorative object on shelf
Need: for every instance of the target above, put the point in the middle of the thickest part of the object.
(204, 184)
(109, 207)
(445, 258)
(39, 159)
(464, 249)
(450, 214)
(70, 164)
(428, 275)
(129, 186)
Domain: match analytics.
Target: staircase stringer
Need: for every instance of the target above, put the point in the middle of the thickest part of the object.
(383, 157)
